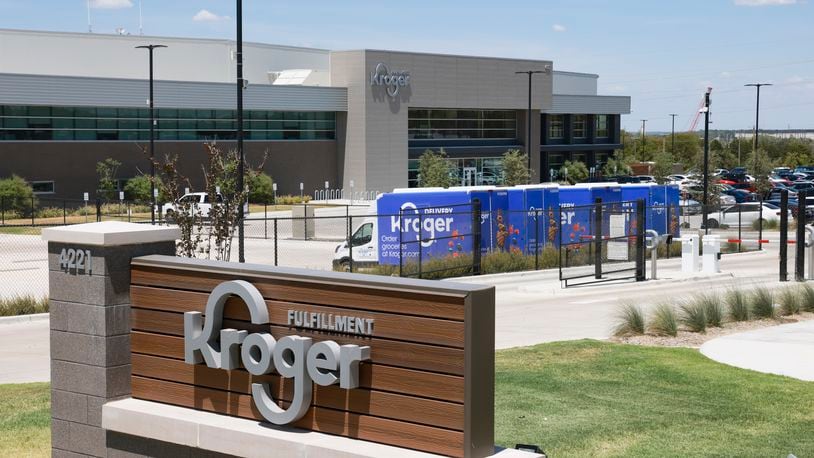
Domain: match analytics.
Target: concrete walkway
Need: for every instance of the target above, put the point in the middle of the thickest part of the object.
(24, 351)
(784, 350)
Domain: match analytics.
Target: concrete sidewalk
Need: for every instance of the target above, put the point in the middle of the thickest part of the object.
(24, 351)
(784, 350)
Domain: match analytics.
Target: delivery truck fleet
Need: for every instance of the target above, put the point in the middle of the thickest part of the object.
(432, 223)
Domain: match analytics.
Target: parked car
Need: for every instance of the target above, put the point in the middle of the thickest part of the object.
(740, 195)
(200, 202)
(726, 200)
(689, 207)
(744, 214)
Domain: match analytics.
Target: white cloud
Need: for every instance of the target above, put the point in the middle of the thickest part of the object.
(764, 2)
(110, 4)
(726, 75)
(208, 16)
(558, 28)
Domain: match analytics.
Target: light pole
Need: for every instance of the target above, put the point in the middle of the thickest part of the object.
(644, 139)
(757, 119)
(152, 48)
(528, 116)
(241, 253)
(673, 137)
(706, 163)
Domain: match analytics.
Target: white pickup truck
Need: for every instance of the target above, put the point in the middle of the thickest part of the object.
(199, 201)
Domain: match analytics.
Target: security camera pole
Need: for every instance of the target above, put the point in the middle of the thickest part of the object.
(528, 116)
(757, 119)
(241, 254)
(151, 48)
(704, 205)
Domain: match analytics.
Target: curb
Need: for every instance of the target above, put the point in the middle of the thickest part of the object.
(24, 318)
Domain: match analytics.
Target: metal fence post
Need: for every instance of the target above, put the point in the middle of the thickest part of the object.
(305, 221)
(276, 245)
(598, 239)
(3, 210)
(420, 243)
(760, 225)
(800, 247)
(740, 227)
(640, 249)
(537, 240)
(401, 243)
(784, 237)
(98, 210)
(33, 213)
(64, 213)
(350, 244)
(265, 220)
(476, 237)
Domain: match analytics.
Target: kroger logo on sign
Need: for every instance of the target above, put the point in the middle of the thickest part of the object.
(393, 81)
(434, 221)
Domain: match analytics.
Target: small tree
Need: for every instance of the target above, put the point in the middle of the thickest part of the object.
(663, 166)
(106, 170)
(138, 189)
(761, 166)
(16, 195)
(575, 172)
(434, 170)
(261, 187)
(515, 168)
(616, 165)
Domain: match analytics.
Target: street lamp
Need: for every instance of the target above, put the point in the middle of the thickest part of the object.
(241, 252)
(673, 138)
(757, 116)
(152, 48)
(528, 131)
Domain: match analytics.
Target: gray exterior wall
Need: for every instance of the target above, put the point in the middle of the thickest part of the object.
(376, 141)
(115, 56)
(16, 89)
(72, 165)
(589, 104)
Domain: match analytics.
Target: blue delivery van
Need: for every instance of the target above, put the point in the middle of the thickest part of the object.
(442, 218)
(532, 216)
(661, 202)
(576, 211)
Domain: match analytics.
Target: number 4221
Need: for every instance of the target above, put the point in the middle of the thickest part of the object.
(76, 260)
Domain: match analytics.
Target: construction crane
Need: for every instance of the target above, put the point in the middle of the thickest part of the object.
(699, 111)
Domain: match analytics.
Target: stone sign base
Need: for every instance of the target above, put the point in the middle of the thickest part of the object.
(143, 425)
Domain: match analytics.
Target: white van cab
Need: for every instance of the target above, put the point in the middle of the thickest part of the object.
(199, 201)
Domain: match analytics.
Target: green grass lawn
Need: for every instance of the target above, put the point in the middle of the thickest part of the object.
(594, 399)
(584, 399)
(25, 420)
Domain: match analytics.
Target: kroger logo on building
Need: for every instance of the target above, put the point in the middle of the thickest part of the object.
(393, 81)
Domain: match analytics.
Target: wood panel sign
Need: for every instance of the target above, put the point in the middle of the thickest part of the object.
(401, 362)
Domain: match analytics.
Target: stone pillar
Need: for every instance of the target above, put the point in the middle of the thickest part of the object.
(90, 324)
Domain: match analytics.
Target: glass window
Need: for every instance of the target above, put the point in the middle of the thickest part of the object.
(602, 126)
(363, 235)
(42, 187)
(461, 124)
(109, 123)
(579, 124)
(556, 129)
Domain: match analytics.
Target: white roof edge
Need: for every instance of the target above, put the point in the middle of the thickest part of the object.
(584, 75)
(462, 56)
(159, 37)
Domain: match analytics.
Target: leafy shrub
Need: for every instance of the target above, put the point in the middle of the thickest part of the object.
(664, 321)
(807, 297)
(768, 224)
(762, 303)
(291, 200)
(261, 187)
(694, 316)
(23, 305)
(630, 321)
(789, 302)
(138, 189)
(17, 195)
(738, 305)
(498, 262)
(49, 212)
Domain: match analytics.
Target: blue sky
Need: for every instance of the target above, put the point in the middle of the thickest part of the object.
(662, 53)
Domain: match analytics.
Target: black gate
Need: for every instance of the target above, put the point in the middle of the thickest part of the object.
(602, 242)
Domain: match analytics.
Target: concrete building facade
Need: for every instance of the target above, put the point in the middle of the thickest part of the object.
(356, 119)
